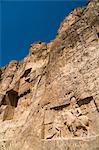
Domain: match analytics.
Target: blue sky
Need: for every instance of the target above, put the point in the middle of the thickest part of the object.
(24, 22)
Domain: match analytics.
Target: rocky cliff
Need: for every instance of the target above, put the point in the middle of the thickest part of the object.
(50, 100)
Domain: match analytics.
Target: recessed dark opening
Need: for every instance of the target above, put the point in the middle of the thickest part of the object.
(60, 107)
(98, 34)
(26, 72)
(28, 80)
(11, 98)
(25, 93)
(4, 101)
(0, 73)
(85, 101)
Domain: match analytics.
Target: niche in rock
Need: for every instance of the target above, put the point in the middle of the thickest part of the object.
(26, 73)
(98, 34)
(11, 98)
(85, 101)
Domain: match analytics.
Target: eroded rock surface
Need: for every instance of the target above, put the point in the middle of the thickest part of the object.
(50, 100)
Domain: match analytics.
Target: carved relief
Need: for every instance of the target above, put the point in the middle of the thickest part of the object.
(64, 122)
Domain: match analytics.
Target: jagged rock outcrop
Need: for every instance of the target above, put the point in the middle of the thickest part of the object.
(50, 100)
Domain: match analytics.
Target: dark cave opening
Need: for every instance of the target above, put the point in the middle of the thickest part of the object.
(98, 34)
(11, 98)
(84, 101)
(26, 73)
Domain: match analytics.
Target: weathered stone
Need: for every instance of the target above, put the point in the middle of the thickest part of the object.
(0, 73)
(8, 113)
(60, 106)
(50, 99)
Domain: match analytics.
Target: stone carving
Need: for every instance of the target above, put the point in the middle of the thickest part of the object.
(65, 121)
(76, 126)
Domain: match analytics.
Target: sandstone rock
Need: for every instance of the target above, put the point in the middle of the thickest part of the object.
(50, 99)
(9, 113)
(84, 120)
(0, 73)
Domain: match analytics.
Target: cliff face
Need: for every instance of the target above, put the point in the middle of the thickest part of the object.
(50, 100)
